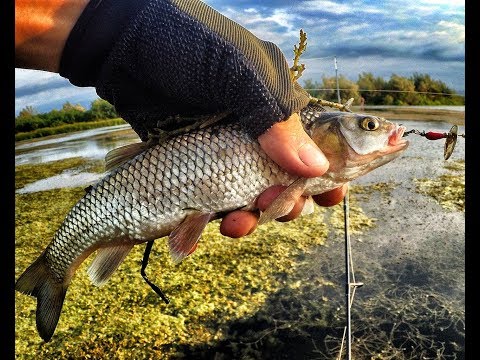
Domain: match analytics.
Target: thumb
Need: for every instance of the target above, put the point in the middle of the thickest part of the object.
(289, 146)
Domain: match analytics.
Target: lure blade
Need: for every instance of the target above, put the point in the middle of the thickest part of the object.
(450, 142)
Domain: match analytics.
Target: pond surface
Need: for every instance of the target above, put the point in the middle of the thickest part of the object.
(90, 144)
(95, 143)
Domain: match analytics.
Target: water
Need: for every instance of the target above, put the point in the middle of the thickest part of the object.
(68, 178)
(89, 144)
(411, 262)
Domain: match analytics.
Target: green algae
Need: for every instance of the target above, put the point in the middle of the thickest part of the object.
(257, 297)
(447, 189)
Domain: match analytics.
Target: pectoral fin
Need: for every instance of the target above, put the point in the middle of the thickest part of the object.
(106, 262)
(308, 207)
(183, 239)
(284, 203)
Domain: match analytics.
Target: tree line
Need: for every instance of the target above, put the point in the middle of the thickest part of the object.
(418, 89)
(29, 119)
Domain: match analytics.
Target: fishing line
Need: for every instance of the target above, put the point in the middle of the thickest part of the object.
(350, 283)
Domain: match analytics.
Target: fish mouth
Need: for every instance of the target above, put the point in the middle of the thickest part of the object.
(396, 142)
(395, 146)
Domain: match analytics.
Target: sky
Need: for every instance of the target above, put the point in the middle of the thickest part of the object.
(365, 36)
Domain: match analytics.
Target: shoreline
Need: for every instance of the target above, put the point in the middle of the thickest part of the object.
(406, 113)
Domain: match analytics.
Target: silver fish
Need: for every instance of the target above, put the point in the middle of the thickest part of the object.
(175, 188)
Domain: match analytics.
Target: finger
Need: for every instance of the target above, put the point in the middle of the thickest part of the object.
(238, 223)
(266, 198)
(289, 146)
(332, 197)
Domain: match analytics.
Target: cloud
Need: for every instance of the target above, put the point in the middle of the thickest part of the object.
(454, 3)
(32, 89)
(326, 6)
(276, 25)
(451, 30)
(45, 91)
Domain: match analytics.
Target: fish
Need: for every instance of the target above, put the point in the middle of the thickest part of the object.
(175, 187)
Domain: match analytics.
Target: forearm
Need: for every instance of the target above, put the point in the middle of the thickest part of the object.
(41, 30)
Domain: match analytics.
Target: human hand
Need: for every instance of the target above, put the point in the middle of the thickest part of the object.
(162, 64)
(289, 146)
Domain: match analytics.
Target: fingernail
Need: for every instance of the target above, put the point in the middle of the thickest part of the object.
(312, 156)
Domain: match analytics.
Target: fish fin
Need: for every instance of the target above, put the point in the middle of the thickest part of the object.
(284, 202)
(121, 155)
(308, 207)
(106, 262)
(38, 281)
(183, 239)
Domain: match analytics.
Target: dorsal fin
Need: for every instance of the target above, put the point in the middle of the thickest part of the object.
(118, 156)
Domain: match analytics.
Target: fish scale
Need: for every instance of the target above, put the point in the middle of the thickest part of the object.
(175, 188)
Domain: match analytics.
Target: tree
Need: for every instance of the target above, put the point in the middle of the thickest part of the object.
(67, 107)
(403, 90)
(102, 109)
(366, 81)
(348, 89)
(438, 91)
(311, 87)
(27, 111)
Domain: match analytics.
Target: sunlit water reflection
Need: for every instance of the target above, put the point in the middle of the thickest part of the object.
(90, 144)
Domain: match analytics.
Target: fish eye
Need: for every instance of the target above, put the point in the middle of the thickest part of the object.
(369, 124)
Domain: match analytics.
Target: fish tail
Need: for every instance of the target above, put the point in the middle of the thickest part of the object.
(38, 281)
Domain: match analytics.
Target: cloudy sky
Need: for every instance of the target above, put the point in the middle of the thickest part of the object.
(382, 37)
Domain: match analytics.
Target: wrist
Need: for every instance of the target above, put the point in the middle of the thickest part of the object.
(41, 30)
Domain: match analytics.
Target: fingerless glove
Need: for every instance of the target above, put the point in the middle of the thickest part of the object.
(153, 59)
